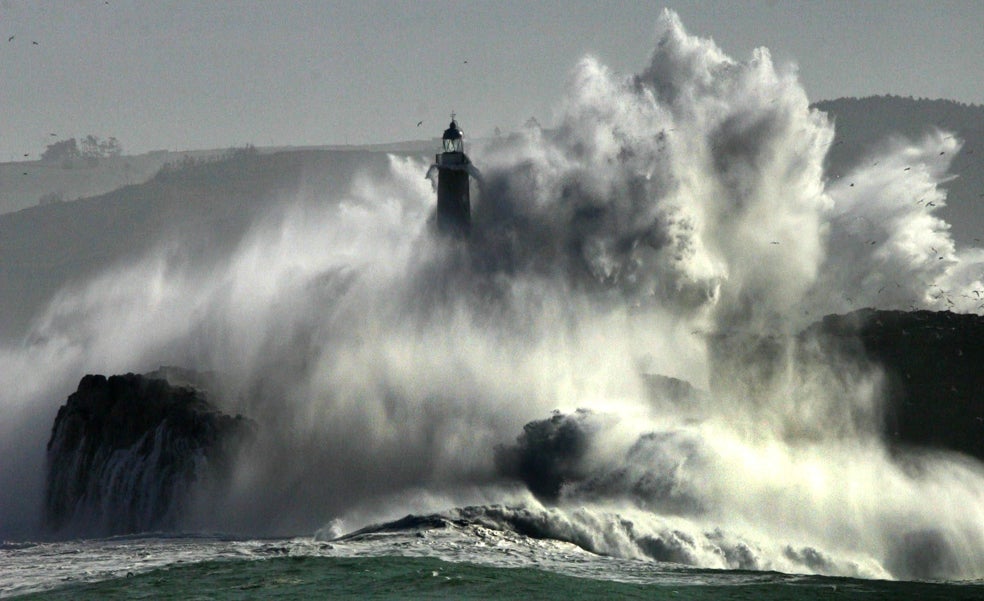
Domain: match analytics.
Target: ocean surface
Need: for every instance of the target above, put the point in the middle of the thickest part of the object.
(602, 378)
(410, 563)
(416, 557)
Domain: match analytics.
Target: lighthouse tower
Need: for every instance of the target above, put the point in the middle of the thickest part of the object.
(453, 169)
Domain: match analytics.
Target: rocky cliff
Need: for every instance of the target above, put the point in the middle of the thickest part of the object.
(934, 372)
(127, 452)
(931, 398)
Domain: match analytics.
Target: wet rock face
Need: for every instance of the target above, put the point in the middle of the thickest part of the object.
(548, 453)
(126, 452)
(933, 398)
(934, 367)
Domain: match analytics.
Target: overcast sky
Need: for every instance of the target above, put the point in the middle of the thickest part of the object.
(213, 74)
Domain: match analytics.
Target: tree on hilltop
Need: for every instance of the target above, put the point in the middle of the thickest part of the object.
(111, 148)
(61, 150)
(91, 148)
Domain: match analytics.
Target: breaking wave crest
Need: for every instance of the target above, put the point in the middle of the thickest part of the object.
(677, 224)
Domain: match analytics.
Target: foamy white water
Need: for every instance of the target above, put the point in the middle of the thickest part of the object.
(385, 364)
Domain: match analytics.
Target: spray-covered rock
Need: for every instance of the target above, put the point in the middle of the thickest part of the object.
(933, 385)
(127, 452)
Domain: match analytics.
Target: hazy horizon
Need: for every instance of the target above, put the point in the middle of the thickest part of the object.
(187, 75)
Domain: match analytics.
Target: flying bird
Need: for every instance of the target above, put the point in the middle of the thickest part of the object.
(419, 123)
(10, 39)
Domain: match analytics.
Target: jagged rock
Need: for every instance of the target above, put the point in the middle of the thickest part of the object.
(548, 453)
(126, 452)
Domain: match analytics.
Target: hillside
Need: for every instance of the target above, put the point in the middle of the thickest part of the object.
(207, 206)
(210, 201)
(25, 184)
(863, 124)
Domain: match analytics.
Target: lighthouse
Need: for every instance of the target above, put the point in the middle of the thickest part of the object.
(453, 168)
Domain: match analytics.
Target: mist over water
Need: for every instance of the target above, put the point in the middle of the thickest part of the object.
(386, 364)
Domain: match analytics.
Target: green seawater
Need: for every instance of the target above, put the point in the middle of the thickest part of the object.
(426, 578)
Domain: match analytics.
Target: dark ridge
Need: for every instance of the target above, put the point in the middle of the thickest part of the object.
(406, 523)
(202, 207)
(864, 124)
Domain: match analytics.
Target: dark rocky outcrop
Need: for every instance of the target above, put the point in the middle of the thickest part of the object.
(550, 458)
(127, 452)
(934, 372)
(932, 398)
(932, 381)
(548, 453)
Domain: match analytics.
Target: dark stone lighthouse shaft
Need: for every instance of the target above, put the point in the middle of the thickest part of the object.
(453, 170)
